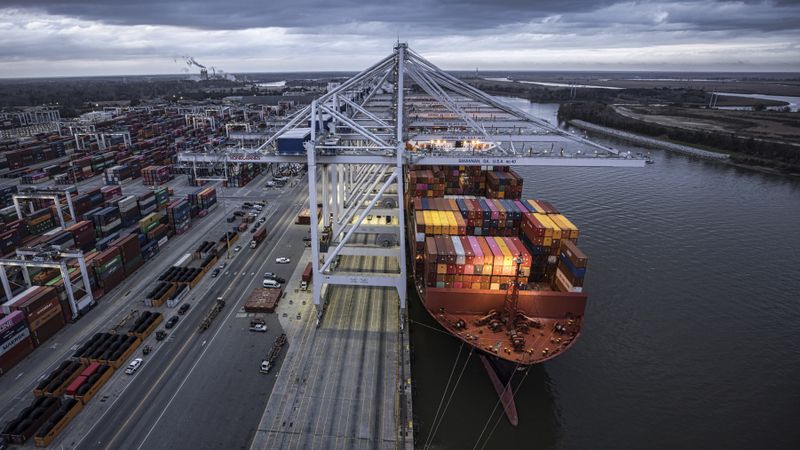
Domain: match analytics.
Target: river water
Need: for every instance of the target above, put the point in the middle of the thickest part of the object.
(692, 331)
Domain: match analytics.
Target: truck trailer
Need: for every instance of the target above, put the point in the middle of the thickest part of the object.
(258, 236)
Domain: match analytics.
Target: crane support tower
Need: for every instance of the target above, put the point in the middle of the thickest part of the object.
(359, 136)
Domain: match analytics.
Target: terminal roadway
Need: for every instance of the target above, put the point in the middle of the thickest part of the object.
(204, 390)
(339, 389)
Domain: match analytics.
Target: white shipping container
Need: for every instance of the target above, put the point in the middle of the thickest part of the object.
(460, 257)
(185, 259)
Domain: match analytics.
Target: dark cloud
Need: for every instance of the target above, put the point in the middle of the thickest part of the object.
(423, 16)
(145, 36)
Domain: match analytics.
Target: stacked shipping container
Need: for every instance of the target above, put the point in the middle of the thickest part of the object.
(155, 175)
(178, 215)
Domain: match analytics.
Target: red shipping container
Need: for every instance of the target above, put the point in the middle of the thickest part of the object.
(76, 383)
(90, 369)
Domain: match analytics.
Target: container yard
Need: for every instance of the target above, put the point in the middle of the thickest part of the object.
(144, 276)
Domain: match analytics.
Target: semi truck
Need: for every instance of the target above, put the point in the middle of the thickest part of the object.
(258, 236)
(306, 278)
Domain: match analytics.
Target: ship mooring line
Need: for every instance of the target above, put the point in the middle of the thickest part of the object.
(497, 422)
(444, 394)
(449, 399)
(433, 328)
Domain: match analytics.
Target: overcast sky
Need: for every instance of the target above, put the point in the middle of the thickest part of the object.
(85, 37)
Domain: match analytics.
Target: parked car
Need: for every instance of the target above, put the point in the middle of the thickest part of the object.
(238, 213)
(283, 260)
(237, 248)
(262, 220)
(254, 229)
(215, 273)
(171, 322)
(231, 219)
(276, 278)
(222, 265)
(184, 307)
(269, 275)
(270, 184)
(258, 325)
(133, 366)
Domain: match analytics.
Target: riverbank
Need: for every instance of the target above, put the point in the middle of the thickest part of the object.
(724, 158)
(648, 141)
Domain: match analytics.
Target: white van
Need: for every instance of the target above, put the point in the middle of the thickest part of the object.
(272, 284)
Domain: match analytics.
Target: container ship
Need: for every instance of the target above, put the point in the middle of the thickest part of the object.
(501, 273)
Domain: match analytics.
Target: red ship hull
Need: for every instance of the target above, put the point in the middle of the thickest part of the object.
(457, 310)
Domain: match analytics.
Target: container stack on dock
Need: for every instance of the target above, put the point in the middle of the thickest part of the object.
(117, 175)
(128, 210)
(34, 178)
(202, 201)
(108, 268)
(110, 192)
(162, 197)
(148, 223)
(15, 340)
(41, 221)
(147, 203)
(178, 215)
(155, 175)
(130, 251)
(107, 221)
(6, 194)
(83, 234)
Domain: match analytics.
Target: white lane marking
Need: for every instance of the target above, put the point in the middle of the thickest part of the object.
(247, 289)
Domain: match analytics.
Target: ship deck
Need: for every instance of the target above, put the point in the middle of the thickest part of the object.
(552, 337)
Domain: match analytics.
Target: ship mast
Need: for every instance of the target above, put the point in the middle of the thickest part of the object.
(511, 303)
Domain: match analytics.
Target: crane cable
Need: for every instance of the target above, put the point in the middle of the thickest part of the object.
(444, 393)
(449, 399)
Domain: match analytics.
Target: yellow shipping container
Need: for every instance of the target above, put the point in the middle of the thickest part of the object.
(536, 206)
(508, 257)
(566, 224)
(452, 224)
(438, 220)
(547, 222)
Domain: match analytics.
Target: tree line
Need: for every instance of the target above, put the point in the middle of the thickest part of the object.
(743, 150)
